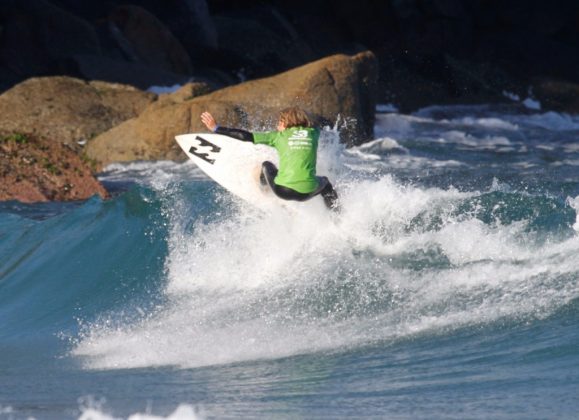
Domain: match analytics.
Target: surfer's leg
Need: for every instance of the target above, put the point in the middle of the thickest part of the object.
(268, 173)
(267, 177)
(286, 193)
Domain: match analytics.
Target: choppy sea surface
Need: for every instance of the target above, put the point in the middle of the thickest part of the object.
(448, 287)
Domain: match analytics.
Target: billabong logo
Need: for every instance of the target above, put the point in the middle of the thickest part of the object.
(203, 144)
(299, 135)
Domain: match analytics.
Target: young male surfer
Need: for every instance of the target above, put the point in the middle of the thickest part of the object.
(296, 142)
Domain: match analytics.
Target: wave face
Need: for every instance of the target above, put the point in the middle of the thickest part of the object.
(449, 279)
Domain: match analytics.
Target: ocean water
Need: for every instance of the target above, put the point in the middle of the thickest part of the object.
(448, 287)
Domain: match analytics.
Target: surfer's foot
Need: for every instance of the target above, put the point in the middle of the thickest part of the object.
(334, 206)
(331, 198)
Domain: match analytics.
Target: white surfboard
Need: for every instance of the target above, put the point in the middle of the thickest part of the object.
(236, 166)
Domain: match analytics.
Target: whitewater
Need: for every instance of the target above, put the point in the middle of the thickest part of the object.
(447, 287)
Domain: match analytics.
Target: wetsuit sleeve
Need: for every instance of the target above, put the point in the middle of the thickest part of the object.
(236, 133)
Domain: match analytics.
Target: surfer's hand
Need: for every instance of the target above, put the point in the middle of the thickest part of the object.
(209, 121)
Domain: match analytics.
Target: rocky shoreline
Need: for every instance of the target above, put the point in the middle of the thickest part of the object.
(74, 75)
(102, 123)
(37, 169)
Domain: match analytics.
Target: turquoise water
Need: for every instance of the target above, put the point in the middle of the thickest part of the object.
(447, 288)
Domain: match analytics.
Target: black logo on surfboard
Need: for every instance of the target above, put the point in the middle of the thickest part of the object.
(204, 143)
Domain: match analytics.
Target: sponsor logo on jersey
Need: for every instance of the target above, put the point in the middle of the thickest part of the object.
(299, 139)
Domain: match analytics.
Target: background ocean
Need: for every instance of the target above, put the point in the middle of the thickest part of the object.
(447, 288)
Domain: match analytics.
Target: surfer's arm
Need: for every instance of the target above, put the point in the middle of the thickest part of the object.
(236, 133)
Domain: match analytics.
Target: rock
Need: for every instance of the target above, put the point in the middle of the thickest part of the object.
(518, 51)
(323, 36)
(69, 110)
(222, 42)
(334, 27)
(479, 82)
(142, 76)
(149, 137)
(258, 50)
(123, 101)
(183, 94)
(34, 169)
(557, 95)
(144, 38)
(409, 88)
(448, 8)
(37, 36)
(191, 22)
(434, 28)
(335, 89)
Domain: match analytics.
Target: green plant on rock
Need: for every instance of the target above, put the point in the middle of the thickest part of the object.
(18, 138)
(91, 163)
(51, 167)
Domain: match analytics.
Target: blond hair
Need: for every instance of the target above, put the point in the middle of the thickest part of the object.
(294, 117)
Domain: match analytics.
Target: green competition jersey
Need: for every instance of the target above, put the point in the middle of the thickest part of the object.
(297, 148)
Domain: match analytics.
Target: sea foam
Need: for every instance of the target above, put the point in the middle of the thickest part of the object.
(399, 261)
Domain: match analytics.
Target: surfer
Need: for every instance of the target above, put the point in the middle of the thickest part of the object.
(296, 142)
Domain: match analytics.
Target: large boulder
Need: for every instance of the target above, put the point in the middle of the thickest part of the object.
(185, 93)
(137, 74)
(144, 38)
(192, 23)
(117, 43)
(335, 90)
(557, 95)
(260, 45)
(37, 37)
(69, 110)
(34, 169)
